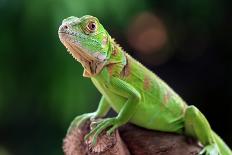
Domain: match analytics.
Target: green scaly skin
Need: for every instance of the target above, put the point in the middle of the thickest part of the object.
(134, 92)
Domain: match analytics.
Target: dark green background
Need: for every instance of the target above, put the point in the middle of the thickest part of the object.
(42, 88)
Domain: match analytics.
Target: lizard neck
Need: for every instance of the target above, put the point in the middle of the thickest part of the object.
(115, 62)
(116, 54)
(93, 68)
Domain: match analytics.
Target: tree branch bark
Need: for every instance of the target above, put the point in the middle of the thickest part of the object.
(130, 140)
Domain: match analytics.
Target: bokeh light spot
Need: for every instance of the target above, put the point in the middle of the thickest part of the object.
(147, 33)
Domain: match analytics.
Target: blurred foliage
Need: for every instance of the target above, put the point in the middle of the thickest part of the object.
(41, 87)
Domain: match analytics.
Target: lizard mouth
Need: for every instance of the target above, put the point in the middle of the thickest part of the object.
(73, 47)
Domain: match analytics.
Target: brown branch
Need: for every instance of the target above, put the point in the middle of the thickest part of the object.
(130, 140)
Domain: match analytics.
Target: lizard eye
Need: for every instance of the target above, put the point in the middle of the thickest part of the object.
(92, 26)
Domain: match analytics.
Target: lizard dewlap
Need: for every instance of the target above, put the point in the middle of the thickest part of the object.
(134, 92)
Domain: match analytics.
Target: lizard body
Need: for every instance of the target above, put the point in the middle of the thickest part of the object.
(151, 90)
(134, 92)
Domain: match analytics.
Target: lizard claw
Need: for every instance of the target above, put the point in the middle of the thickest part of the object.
(112, 129)
(101, 126)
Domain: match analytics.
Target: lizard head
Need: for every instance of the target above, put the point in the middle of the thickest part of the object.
(87, 41)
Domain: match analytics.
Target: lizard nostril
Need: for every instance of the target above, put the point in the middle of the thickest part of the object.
(65, 27)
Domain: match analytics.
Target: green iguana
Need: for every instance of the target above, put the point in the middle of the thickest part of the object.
(134, 92)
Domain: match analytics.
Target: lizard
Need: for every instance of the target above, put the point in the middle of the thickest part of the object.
(135, 93)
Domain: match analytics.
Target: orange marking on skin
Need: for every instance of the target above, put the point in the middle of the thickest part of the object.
(115, 52)
(167, 97)
(146, 83)
(110, 68)
(104, 41)
(126, 70)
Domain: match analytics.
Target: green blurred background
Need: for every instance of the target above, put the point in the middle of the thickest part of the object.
(187, 43)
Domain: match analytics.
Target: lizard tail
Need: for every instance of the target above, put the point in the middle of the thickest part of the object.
(224, 149)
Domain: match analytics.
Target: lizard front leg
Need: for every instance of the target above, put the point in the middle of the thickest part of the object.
(101, 111)
(133, 97)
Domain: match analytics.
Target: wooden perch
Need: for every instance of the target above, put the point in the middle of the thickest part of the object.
(129, 140)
